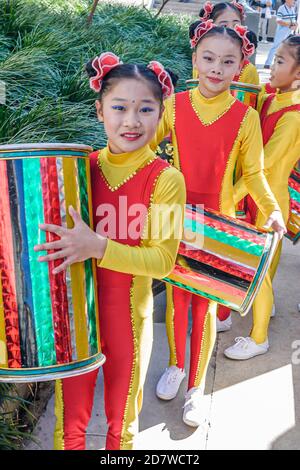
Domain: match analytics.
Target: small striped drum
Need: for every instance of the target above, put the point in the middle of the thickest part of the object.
(48, 323)
(222, 259)
(293, 224)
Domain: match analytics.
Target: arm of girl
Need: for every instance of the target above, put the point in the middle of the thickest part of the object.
(252, 165)
(284, 140)
(156, 257)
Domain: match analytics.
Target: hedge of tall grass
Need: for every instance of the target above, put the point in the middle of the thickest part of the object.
(44, 45)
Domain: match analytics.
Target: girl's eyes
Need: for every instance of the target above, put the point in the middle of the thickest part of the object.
(118, 107)
(147, 110)
(227, 62)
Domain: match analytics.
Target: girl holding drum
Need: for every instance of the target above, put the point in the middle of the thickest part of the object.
(280, 120)
(212, 132)
(230, 14)
(127, 178)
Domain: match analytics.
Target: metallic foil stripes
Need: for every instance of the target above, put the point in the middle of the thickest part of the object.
(226, 263)
(48, 323)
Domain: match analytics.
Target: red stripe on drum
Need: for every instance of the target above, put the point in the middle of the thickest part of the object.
(210, 259)
(8, 278)
(187, 276)
(58, 287)
(225, 228)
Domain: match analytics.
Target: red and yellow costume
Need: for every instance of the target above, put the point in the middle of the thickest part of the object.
(125, 296)
(248, 74)
(280, 121)
(210, 137)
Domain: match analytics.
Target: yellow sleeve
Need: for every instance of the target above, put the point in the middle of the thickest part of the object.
(249, 75)
(252, 160)
(157, 255)
(286, 138)
(166, 123)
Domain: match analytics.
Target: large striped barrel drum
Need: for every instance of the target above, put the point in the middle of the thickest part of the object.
(48, 323)
(222, 258)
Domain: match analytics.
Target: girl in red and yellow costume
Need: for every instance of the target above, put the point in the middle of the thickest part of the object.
(212, 132)
(128, 180)
(229, 15)
(280, 121)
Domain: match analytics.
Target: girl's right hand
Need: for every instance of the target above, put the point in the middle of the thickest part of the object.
(276, 222)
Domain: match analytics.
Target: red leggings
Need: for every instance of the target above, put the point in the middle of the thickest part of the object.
(126, 339)
(203, 332)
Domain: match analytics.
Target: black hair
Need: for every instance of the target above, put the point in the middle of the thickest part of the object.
(293, 41)
(216, 31)
(219, 8)
(252, 38)
(133, 71)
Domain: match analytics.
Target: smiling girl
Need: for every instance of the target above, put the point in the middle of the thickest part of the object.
(229, 15)
(128, 248)
(212, 132)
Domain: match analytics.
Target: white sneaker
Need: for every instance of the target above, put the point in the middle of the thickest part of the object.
(273, 313)
(224, 325)
(192, 409)
(245, 348)
(169, 383)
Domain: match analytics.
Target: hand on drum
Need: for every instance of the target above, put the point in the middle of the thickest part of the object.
(75, 245)
(275, 221)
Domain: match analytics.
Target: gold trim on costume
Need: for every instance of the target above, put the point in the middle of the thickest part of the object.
(206, 124)
(129, 177)
(59, 438)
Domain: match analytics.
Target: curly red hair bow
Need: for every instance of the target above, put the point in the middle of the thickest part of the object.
(200, 31)
(102, 65)
(208, 8)
(248, 48)
(240, 7)
(164, 78)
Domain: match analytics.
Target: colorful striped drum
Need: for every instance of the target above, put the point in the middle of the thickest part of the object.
(293, 224)
(245, 92)
(48, 323)
(222, 259)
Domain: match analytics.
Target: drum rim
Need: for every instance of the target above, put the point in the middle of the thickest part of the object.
(45, 146)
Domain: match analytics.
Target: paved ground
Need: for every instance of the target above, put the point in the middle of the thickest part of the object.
(248, 405)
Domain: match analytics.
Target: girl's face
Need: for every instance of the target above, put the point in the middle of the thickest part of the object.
(218, 59)
(284, 71)
(130, 114)
(228, 18)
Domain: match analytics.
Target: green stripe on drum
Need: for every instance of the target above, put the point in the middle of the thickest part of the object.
(90, 290)
(223, 237)
(39, 271)
(294, 194)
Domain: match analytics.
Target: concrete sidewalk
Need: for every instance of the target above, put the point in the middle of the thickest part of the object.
(253, 404)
